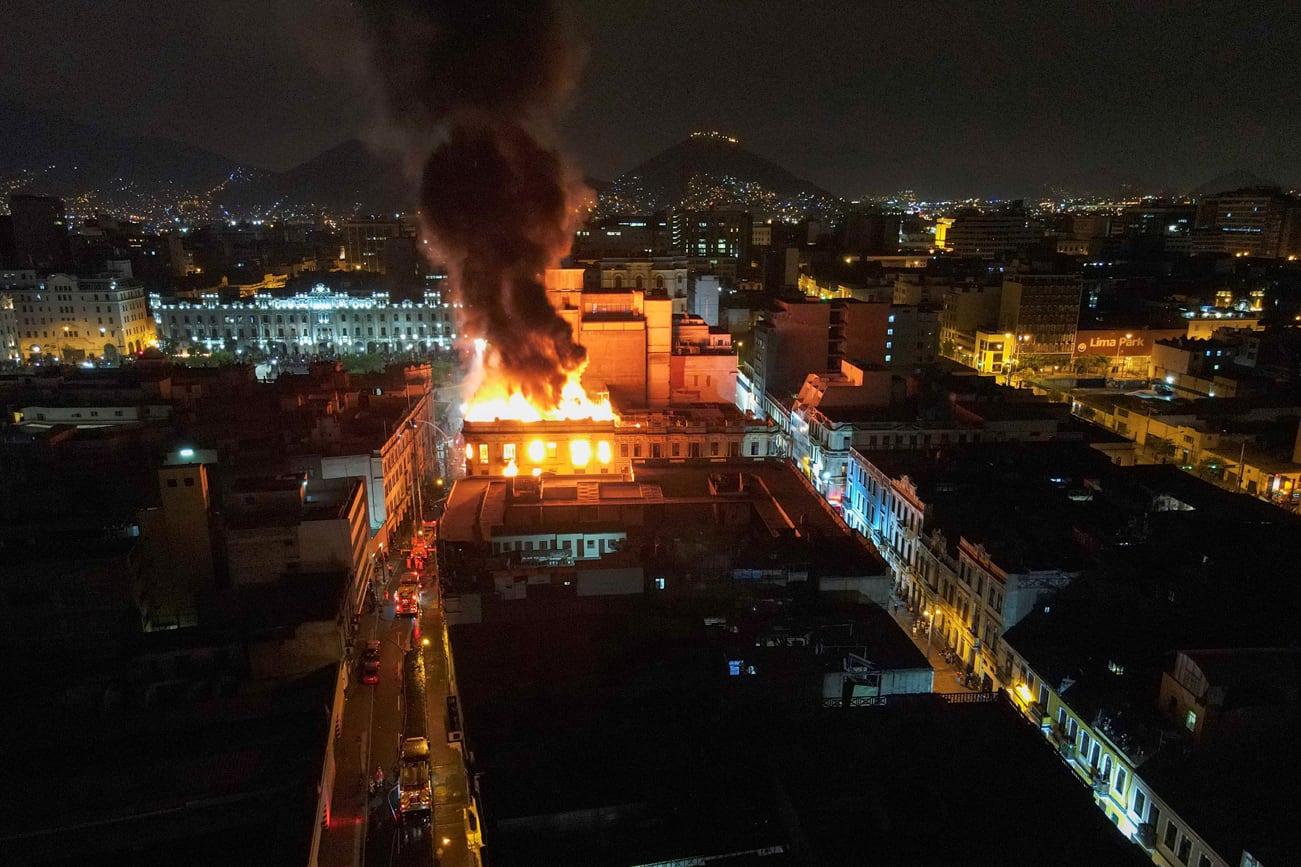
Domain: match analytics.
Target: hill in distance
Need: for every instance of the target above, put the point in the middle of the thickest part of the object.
(150, 176)
(711, 170)
(1236, 180)
(64, 157)
(348, 178)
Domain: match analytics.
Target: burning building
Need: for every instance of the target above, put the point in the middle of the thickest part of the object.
(611, 447)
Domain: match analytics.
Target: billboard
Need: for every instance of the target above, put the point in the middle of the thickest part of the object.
(1114, 343)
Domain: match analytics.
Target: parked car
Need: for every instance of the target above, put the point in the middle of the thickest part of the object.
(370, 671)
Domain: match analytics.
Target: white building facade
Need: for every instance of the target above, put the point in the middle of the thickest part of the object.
(317, 322)
(67, 318)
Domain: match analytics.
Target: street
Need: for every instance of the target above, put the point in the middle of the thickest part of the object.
(363, 826)
(946, 673)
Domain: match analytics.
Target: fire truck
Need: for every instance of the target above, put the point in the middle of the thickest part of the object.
(415, 773)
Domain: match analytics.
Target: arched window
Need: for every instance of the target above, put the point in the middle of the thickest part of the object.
(618, 281)
(659, 281)
(638, 282)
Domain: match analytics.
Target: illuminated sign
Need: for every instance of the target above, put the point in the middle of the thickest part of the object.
(1116, 343)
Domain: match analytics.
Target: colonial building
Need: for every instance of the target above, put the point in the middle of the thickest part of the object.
(959, 571)
(317, 322)
(71, 319)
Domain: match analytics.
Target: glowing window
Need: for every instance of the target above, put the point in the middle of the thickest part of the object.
(508, 452)
(580, 452)
(483, 453)
(537, 451)
(603, 452)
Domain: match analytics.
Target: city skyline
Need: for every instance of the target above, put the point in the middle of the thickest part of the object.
(950, 101)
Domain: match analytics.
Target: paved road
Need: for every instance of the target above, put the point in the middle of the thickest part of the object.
(946, 674)
(362, 828)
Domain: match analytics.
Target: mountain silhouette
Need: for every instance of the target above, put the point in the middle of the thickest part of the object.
(58, 156)
(709, 170)
(1235, 180)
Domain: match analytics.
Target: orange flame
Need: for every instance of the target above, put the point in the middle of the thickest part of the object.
(496, 399)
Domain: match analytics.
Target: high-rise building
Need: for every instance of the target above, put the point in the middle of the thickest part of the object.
(718, 233)
(803, 337)
(1041, 311)
(9, 350)
(1162, 224)
(988, 235)
(40, 233)
(967, 309)
(628, 333)
(366, 243)
(1246, 222)
(912, 335)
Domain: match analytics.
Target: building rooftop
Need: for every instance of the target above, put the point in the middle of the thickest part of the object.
(200, 776)
(643, 726)
(863, 789)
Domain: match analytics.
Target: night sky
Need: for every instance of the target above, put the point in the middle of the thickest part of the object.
(863, 98)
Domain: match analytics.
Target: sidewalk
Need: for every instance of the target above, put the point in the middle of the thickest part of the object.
(451, 790)
(341, 843)
(946, 674)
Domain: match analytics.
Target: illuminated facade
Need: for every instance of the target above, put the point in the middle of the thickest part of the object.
(707, 432)
(9, 350)
(320, 321)
(1043, 311)
(77, 318)
(1107, 758)
(956, 583)
(640, 349)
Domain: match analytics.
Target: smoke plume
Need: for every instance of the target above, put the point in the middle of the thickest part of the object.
(486, 80)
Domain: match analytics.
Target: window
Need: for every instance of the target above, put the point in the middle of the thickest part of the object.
(189, 481)
(623, 450)
(1203, 861)
(171, 483)
(1121, 779)
(1185, 849)
(1171, 832)
(1140, 802)
(483, 453)
(754, 449)
(677, 450)
(1190, 721)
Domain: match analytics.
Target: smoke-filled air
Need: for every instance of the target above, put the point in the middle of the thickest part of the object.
(485, 80)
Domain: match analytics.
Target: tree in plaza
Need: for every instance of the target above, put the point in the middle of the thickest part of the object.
(1210, 468)
(1161, 448)
(366, 362)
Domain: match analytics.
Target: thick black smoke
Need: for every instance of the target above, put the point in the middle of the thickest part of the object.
(486, 79)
